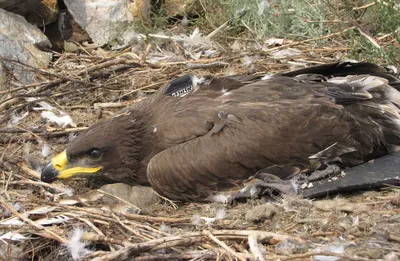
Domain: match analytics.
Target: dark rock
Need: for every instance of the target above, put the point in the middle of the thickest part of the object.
(37, 12)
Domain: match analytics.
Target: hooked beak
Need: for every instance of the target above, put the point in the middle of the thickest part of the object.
(57, 169)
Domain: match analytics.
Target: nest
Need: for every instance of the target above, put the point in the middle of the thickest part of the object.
(68, 220)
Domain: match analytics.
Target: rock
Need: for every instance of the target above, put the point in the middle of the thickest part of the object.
(139, 196)
(19, 41)
(261, 212)
(118, 189)
(142, 196)
(37, 12)
(108, 21)
(17, 28)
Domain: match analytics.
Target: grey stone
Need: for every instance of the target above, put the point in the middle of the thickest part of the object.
(19, 41)
(139, 196)
(106, 21)
(17, 28)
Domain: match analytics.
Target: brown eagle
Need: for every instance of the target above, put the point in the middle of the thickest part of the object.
(198, 137)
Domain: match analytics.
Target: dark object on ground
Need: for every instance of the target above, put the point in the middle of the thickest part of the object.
(377, 174)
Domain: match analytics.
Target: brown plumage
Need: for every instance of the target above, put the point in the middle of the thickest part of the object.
(226, 129)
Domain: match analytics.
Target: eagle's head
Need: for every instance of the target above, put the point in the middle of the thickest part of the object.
(111, 149)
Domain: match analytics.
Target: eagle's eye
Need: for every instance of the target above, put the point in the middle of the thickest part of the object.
(95, 154)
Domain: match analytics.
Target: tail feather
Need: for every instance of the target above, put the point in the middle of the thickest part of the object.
(370, 93)
(353, 88)
(348, 68)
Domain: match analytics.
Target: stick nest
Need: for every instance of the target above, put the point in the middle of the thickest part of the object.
(66, 221)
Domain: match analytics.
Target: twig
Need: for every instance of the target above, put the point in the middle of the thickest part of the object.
(156, 219)
(102, 105)
(27, 86)
(323, 253)
(5, 150)
(56, 186)
(35, 183)
(394, 238)
(7, 104)
(98, 231)
(254, 248)
(190, 238)
(273, 238)
(49, 131)
(208, 255)
(193, 66)
(120, 199)
(162, 243)
(369, 38)
(133, 231)
(364, 6)
(83, 48)
(223, 245)
(107, 64)
(308, 40)
(217, 30)
(146, 52)
(144, 87)
(27, 170)
(47, 232)
(54, 132)
(175, 206)
(110, 218)
(102, 238)
(327, 50)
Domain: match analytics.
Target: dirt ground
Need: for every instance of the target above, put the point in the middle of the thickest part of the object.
(61, 221)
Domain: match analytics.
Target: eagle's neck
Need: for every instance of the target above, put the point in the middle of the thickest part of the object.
(137, 144)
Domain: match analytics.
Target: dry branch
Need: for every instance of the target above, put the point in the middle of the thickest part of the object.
(323, 253)
(189, 239)
(142, 218)
(308, 40)
(223, 245)
(205, 255)
(120, 199)
(46, 233)
(193, 66)
(254, 248)
(108, 64)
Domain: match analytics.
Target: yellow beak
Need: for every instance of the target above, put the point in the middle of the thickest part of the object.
(57, 169)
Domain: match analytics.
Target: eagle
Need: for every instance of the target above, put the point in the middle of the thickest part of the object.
(201, 136)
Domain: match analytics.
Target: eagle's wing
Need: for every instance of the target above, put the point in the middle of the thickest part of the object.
(238, 146)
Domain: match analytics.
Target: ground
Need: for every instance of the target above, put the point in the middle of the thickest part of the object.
(69, 220)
